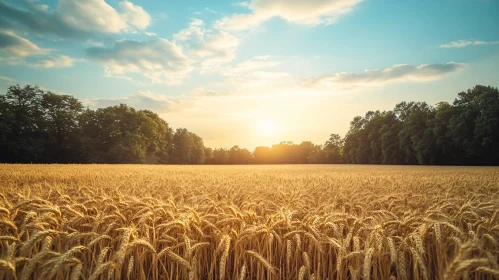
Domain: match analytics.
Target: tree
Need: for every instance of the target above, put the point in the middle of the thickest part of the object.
(302, 152)
(186, 148)
(418, 133)
(63, 131)
(159, 139)
(474, 126)
(180, 149)
(220, 156)
(22, 118)
(357, 148)
(390, 146)
(262, 155)
(333, 149)
(197, 149)
(121, 134)
(446, 150)
(6, 127)
(317, 156)
(208, 155)
(237, 155)
(43, 127)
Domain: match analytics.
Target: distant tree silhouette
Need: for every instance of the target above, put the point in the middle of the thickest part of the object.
(38, 126)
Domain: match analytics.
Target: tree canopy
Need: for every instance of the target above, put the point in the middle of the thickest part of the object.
(464, 132)
(38, 126)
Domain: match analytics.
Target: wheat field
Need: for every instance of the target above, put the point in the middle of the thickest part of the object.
(248, 222)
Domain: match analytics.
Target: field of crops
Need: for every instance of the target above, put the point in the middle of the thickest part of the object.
(248, 222)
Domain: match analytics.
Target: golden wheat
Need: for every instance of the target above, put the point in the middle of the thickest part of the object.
(248, 222)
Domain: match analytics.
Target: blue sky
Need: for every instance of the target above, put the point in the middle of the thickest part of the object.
(229, 70)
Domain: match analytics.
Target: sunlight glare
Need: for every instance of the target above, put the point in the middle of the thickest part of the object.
(265, 127)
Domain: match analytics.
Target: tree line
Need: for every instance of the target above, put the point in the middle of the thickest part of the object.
(465, 132)
(38, 126)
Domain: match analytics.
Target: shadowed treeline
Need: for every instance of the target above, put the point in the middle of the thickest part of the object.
(465, 132)
(38, 126)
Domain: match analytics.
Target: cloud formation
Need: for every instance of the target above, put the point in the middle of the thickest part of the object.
(379, 77)
(14, 48)
(18, 50)
(158, 60)
(74, 19)
(61, 61)
(134, 15)
(466, 43)
(311, 12)
(208, 47)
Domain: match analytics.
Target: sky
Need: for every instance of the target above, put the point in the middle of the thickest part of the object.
(254, 72)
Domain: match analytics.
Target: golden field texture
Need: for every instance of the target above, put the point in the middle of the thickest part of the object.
(248, 222)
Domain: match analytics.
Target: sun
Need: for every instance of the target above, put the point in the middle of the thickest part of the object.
(265, 127)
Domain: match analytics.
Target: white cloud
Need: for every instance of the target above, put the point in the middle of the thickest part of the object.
(193, 35)
(74, 19)
(311, 12)
(211, 49)
(159, 60)
(91, 16)
(17, 50)
(379, 77)
(61, 61)
(208, 47)
(13, 48)
(466, 43)
(135, 15)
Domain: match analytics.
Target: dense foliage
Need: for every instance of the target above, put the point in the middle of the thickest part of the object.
(38, 126)
(464, 132)
(43, 127)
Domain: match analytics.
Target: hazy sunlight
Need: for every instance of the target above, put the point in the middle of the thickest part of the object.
(265, 128)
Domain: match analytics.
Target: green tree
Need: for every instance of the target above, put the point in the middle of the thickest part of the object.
(186, 148)
(23, 138)
(197, 149)
(474, 126)
(180, 148)
(121, 134)
(333, 149)
(63, 132)
(390, 146)
(419, 133)
(159, 139)
(447, 152)
(357, 148)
